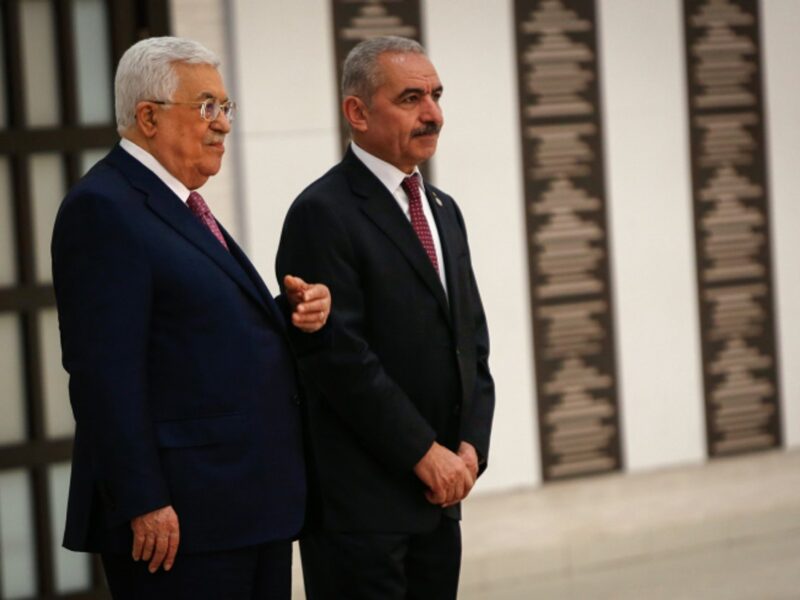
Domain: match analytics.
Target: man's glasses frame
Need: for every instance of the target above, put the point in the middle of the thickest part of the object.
(210, 108)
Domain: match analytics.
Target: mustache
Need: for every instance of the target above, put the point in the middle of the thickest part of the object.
(217, 138)
(429, 129)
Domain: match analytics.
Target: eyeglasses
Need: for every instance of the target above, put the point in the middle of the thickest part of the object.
(209, 109)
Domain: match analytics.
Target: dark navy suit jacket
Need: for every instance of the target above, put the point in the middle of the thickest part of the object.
(181, 379)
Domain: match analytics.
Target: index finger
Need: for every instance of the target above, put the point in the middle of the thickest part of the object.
(315, 292)
(312, 306)
(472, 472)
(162, 544)
(138, 545)
(293, 283)
(174, 542)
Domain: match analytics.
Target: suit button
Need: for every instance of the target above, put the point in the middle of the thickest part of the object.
(458, 352)
(296, 399)
(457, 409)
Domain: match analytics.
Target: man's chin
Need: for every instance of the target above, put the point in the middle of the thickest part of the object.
(213, 164)
(426, 146)
(209, 170)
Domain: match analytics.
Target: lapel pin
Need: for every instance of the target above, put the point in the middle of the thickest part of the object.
(439, 202)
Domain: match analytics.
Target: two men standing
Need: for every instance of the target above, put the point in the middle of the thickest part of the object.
(188, 450)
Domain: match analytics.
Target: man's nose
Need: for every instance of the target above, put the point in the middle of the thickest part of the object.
(431, 111)
(221, 123)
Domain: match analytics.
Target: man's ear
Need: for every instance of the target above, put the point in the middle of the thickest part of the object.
(355, 111)
(146, 119)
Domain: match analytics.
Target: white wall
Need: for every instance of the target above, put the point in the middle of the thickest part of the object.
(287, 134)
(652, 241)
(288, 130)
(478, 162)
(780, 25)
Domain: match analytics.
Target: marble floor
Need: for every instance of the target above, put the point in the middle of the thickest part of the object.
(728, 529)
(760, 568)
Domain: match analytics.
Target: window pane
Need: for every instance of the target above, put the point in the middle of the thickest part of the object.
(90, 28)
(73, 569)
(3, 102)
(12, 390)
(8, 255)
(16, 536)
(90, 157)
(58, 413)
(39, 63)
(47, 189)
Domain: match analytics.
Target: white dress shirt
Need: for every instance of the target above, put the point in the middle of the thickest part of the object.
(149, 161)
(392, 178)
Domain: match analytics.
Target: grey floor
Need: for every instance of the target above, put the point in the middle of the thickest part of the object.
(725, 530)
(762, 568)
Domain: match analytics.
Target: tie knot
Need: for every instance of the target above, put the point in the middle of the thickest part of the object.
(197, 205)
(411, 186)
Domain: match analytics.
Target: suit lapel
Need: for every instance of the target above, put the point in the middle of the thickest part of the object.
(176, 215)
(447, 227)
(255, 278)
(171, 209)
(382, 209)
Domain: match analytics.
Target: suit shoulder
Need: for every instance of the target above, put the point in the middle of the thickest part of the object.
(102, 199)
(324, 190)
(329, 194)
(103, 183)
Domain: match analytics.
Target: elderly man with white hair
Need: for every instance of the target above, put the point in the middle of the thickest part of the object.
(187, 472)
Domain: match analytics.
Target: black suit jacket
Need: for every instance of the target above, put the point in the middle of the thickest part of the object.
(408, 364)
(181, 377)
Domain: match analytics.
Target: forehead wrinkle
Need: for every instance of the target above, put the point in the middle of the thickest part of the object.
(193, 76)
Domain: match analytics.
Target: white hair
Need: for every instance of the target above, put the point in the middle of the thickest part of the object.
(145, 72)
(361, 75)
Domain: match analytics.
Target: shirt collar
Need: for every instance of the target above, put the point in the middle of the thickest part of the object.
(389, 175)
(150, 161)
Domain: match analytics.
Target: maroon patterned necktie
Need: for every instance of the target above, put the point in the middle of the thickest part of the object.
(200, 209)
(418, 221)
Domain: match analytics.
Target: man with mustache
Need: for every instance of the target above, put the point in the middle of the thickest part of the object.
(187, 473)
(400, 406)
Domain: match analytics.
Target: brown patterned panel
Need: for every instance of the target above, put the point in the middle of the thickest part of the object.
(573, 332)
(732, 225)
(357, 20)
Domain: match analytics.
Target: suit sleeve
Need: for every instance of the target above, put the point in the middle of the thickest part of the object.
(103, 289)
(477, 425)
(347, 374)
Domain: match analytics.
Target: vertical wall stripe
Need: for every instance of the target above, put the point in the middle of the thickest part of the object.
(734, 265)
(567, 237)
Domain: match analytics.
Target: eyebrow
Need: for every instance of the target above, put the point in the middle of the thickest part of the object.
(419, 91)
(205, 95)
